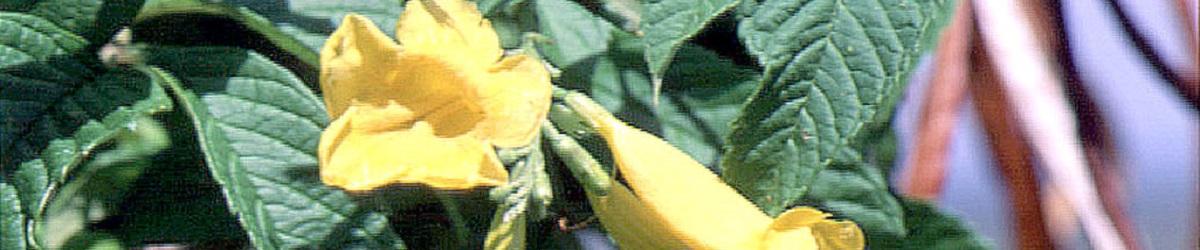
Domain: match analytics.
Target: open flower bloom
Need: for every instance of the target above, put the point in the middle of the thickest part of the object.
(429, 109)
(673, 202)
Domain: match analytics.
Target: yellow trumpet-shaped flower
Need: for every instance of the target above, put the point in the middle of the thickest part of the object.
(430, 108)
(674, 202)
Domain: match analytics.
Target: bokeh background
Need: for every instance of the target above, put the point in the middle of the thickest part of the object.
(1155, 131)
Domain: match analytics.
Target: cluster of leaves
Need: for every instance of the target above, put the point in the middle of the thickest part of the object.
(208, 122)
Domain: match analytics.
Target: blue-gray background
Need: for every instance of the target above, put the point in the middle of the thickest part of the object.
(1155, 131)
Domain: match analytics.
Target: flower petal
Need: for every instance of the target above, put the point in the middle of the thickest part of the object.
(809, 228)
(432, 89)
(633, 225)
(360, 64)
(838, 235)
(675, 199)
(451, 29)
(429, 109)
(792, 238)
(366, 148)
(353, 58)
(693, 202)
(516, 98)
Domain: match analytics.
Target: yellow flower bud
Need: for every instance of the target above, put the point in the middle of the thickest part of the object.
(673, 202)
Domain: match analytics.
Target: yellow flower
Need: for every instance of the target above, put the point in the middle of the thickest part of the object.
(429, 109)
(674, 202)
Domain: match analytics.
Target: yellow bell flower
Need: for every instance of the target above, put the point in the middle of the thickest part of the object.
(429, 109)
(674, 202)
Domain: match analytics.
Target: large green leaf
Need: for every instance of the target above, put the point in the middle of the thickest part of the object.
(38, 180)
(625, 14)
(619, 81)
(833, 68)
(95, 20)
(117, 100)
(52, 88)
(204, 23)
(59, 104)
(311, 21)
(259, 126)
(37, 72)
(511, 19)
(12, 219)
(175, 190)
(669, 23)
(929, 228)
(576, 35)
(498, 7)
(96, 188)
(597, 58)
(695, 116)
(31, 182)
(939, 12)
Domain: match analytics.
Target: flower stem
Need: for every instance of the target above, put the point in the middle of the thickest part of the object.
(582, 165)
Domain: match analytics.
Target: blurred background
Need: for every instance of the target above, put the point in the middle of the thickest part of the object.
(1152, 127)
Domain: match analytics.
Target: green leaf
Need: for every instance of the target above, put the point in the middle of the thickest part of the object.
(931, 229)
(98, 185)
(860, 193)
(29, 38)
(940, 13)
(625, 14)
(669, 23)
(62, 155)
(203, 23)
(619, 81)
(695, 116)
(35, 73)
(12, 219)
(40, 179)
(93, 241)
(495, 7)
(599, 60)
(173, 190)
(576, 35)
(304, 20)
(259, 126)
(311, 21)
(512, 20)
(147, 139)
(60, 106)
(49, 92)
(31, 182)
(117, 99)
(833, 69)
(95, 20)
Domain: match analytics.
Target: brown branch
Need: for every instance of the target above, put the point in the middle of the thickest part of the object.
(939, 111)
(1092, 127)
(1013, 154)
(1188, 18)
